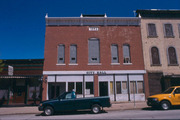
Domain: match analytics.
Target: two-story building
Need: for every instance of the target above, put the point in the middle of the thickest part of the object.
(160, 31)
(94, 55)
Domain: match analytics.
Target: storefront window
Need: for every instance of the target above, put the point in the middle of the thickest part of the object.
(124, 87)
(78, 87)
(133, 87)
(89, 88)
(140, 86)
(111, 88)
(118, 87)
(70, 86)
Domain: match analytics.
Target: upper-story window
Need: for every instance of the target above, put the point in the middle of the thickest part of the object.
(155, 56)
(114, 53)
(179, 29)
(172, 57)
(73, 54)
(93, 50)
(61, 52)
(126, 53)
(168, 30)
(152, 30)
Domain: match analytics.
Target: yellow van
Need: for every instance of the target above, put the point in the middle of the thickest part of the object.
(165, 100)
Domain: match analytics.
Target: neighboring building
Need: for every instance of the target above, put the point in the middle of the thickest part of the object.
(94, 55)
(21, 81)
(160, 31)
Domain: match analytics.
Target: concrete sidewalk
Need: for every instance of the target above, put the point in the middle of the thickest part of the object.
(34, 109)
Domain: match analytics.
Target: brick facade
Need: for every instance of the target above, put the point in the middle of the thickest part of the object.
(103, 75)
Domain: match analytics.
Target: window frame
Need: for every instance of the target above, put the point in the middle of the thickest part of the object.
(152, 64)
(112, 55)
(59, 56)
(169, 64)
(70, 55)
(127, 63)
(164, 29)
(151, 36)
(94, 59)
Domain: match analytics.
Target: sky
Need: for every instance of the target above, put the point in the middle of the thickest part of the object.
(22, 22)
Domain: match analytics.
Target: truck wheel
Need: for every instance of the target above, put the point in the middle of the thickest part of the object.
(165, 105)
(48, 111)
(95, 109)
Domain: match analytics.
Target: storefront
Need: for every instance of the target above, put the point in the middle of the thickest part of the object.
(23, 83)
(119, 85)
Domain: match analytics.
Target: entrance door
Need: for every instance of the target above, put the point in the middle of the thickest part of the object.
(19, 94)
(103, 88)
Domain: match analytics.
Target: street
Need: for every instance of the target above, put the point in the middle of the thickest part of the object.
(146, 113)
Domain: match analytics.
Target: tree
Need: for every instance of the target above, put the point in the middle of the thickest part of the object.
(1, 65)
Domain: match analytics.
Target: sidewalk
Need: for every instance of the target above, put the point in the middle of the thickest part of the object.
(34, 109)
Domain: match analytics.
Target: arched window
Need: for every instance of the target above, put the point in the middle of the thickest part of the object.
(114, 53)
(94, 50)
(172, 56)
(73, 53)
(61, 52)
(126, 53)
(155, 56)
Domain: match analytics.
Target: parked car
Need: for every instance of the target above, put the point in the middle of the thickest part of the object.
(69, 102)
(165, 100)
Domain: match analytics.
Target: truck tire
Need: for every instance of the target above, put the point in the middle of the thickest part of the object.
(48, 111)
(165, 105)
(95, 109)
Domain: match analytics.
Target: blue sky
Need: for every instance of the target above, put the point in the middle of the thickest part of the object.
(22, 22)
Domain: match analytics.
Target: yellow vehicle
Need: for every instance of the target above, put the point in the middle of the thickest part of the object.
(165, 100)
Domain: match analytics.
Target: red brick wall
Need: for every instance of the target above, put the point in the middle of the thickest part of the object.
(79, 35)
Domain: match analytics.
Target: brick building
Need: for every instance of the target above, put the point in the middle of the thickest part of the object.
(94, 55)
(21, 81)
(160, 30)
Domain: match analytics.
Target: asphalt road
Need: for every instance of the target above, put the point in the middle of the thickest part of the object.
(123, 114)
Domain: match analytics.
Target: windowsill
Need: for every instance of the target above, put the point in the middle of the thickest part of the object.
(173, 64)
(127, 63)
(152, 36)
(94, 64)
(156, 65)
(169, 36)
(60, 64)
(115, 63)
(73, 64)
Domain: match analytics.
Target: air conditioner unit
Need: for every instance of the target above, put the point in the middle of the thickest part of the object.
(127, 60)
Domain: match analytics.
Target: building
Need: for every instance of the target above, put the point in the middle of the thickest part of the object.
(94, 55)
(160, 31)
(21, 81)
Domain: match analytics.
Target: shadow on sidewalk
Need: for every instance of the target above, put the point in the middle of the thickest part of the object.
(159, 109)
(72, 113)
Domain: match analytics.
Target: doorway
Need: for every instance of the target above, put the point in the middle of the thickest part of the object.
(103, 88)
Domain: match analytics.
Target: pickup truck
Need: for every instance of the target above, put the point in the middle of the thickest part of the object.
(170, 97)
(68, 102)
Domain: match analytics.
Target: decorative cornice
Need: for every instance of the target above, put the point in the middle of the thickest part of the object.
(92, 21)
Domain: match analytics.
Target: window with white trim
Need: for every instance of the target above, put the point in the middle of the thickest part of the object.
(61, 54)
(114, 53)
(126, 53)
(93, 50)
(73, 54)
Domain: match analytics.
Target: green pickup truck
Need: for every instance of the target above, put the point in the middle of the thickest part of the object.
(68, 102)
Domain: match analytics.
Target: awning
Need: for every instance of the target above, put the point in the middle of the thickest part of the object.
(23, 76)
